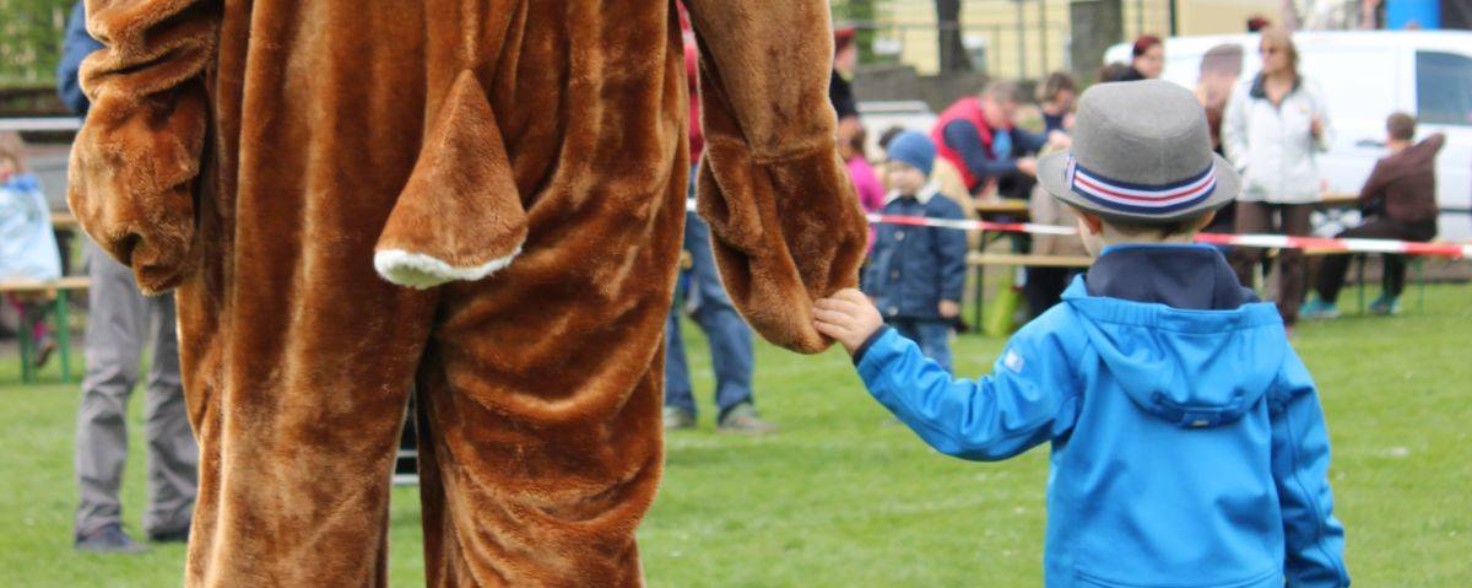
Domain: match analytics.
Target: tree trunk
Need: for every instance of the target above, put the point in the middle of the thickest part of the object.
(953, 55)
(1095, 25)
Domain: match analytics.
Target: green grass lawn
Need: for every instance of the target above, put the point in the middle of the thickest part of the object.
(843, 496)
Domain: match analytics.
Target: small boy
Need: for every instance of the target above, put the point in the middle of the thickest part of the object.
(1189, 449)
(916, 274)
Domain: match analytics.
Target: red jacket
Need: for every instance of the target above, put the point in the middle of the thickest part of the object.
(969, 110)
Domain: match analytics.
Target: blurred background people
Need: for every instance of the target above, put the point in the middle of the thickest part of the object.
(28, 249)
(1277, 123)
(1399, 203)
(1147, 60)
(731, 351)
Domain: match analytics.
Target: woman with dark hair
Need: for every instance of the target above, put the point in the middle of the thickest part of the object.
(1277, 124)
(1147, 60)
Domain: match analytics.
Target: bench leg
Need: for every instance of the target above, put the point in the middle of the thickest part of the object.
(1360, 261)
(27, 352)
(64, 336)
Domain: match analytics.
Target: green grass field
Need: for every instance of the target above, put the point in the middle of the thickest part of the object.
(843, 496)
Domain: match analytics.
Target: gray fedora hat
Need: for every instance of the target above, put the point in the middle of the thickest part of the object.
(1141, 154)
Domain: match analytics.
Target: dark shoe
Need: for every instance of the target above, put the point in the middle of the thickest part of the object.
(744, 419)
(180, 536)
(676, 419)
(109, 539)
(1385, 306)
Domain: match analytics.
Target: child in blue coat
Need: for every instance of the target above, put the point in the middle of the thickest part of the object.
(1188, 445)
(915, 274)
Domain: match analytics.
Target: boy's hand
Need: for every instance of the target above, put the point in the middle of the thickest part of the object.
(848, 317)
(949, 309)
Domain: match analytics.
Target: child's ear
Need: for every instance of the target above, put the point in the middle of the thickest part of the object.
(1091, 222)
(1205, 220)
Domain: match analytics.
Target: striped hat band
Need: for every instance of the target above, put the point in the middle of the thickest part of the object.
(1141, 198)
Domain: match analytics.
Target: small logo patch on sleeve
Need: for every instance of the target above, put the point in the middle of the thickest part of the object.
(1013, 361)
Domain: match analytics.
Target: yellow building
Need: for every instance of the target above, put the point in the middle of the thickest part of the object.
(1028, 38)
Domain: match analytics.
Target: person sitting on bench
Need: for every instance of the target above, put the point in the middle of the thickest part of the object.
(1399, 202)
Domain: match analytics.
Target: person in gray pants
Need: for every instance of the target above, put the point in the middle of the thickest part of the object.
(120, 322)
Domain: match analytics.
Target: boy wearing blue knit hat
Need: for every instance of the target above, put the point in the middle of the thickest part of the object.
(916, 274)
(1188, 445)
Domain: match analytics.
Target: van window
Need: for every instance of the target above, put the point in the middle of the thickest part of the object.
(1354, 81)
(1443, 88)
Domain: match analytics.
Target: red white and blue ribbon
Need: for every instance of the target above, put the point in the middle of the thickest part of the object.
(1141, 198)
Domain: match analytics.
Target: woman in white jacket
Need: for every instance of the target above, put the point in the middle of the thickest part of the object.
(1277, 124)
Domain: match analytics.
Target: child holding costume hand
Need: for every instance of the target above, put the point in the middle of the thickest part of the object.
(1188, 445)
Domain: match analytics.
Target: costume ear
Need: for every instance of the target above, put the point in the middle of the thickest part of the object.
(460, 217)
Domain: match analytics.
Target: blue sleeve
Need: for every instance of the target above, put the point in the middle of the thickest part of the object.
(966, 140)
(1026, 401)
(76, 47)
(1314, 538)
(1028, 142)
(951, 252)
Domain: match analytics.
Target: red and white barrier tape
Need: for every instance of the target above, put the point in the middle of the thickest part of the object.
(1451, 250)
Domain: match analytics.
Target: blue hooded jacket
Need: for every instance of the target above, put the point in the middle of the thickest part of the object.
(1189, 449)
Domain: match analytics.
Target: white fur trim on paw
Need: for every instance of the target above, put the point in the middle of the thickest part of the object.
(417, 270)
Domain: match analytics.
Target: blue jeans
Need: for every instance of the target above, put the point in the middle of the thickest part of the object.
(933, 337)
(730, 338)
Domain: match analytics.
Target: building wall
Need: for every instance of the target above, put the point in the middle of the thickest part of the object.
(1032, 41)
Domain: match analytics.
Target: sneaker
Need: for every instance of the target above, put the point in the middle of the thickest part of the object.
(1317, 309)
(1385, 305)
(180, 536)
(109, 539)
(744, 419)
(676, 419)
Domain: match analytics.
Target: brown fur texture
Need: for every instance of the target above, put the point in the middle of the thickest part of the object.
(258, 154)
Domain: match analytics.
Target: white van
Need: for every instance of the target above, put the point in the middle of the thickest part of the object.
(1366, 76)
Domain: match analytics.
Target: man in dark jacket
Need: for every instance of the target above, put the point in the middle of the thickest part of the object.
(1399, 200)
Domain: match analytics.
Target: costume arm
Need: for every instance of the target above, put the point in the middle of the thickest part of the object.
(136, 161)
(1300, 461)
(1026, 400)
(787, 227)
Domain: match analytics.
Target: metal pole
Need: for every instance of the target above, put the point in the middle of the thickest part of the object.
(1043, 34)
(1174, 19)
(1021, 44)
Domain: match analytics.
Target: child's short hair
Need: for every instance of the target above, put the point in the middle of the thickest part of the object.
(1401, 126)
(1182, 226)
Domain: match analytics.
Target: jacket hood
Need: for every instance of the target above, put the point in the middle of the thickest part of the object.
(1195, 367)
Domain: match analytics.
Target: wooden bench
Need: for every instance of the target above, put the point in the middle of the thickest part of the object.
(1016, 259)
(58, 292)
(980, 260)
